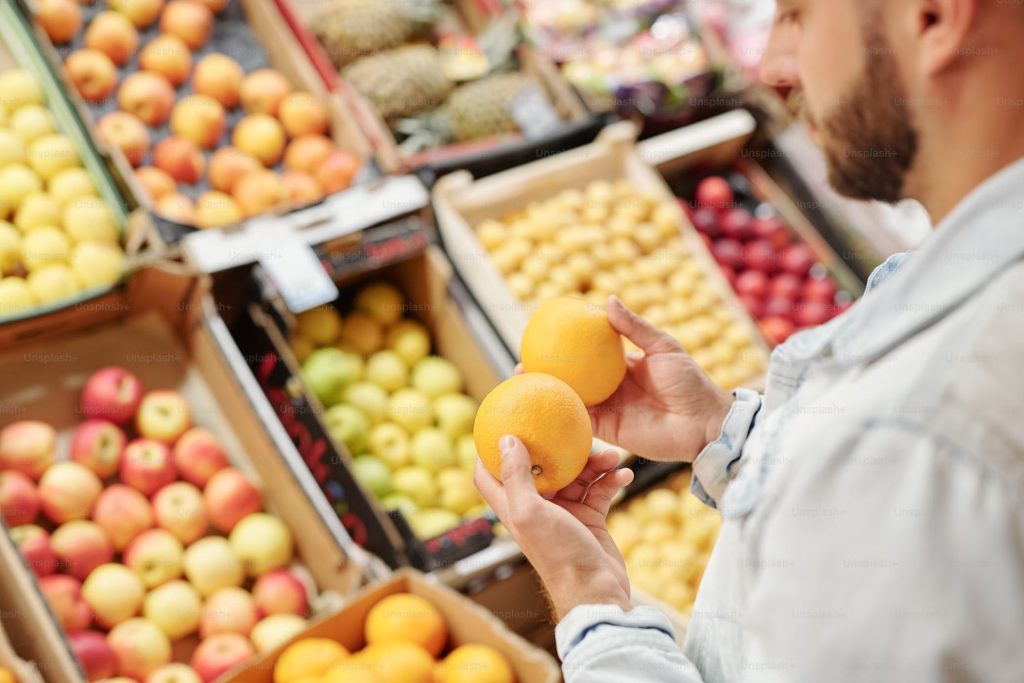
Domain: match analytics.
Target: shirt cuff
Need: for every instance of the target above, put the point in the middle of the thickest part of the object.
(712, 467)
(603, 621)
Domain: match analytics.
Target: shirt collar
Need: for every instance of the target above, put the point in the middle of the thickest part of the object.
(981, 237)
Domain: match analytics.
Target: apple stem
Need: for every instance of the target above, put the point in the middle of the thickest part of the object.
(536, 470)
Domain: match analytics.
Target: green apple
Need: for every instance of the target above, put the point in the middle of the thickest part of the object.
(390, 443)
(362, 333)
(432, 449)
(410, 340)
(369, 398)
(435, 376)
(15, 296)
(381, 301)
(417, 483)
(458, 492)
(322, 325)
(411, 409)
(433, 522)
(10, 248)
(455, 414)
(373, 474)
(399, 501)
(328, 371)
(348, 425)
(387, 370)
(465, 451)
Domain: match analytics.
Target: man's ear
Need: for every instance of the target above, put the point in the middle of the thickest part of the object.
(944, 30)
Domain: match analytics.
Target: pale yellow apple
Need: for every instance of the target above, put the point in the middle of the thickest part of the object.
(15, 295)
(32, 122)
(88, 219)
(70, 184)
(20, 87)
(114, 593)
(141, 647)
(52, 282)
(175, 607)
(37, 210)
(12, 149)
(43, 246)
(276, 630)
(17, 181)
(172, 673)
(210, 565)
(262, 542)
(50, 154)
(96, 264)
(10, 248)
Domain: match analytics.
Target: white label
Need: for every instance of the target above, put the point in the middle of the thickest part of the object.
(534, 114)
(293, 267)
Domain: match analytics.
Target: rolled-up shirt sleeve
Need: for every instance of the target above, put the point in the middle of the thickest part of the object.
(714, 465)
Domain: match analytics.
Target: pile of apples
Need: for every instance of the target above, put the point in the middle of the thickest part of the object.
(399, 410)
(57, 237)
(280, 124)
(777, 277)
(666, 537)
(405, 637)
(614, 238)
(145, 536)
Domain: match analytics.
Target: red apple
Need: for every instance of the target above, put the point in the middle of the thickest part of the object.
(220, 652)
(94, 654)
(753, 304)
(706, 220)
(123, 513)
(752, 283)
(146, 465)
(728, 252)
(180, 510)
(778, 307)
(180, 158)
(776, 329)
(111, 394)
(80, 547)
(760, 255)
(27, 446)
(228, 610)
(97, 444)
(163, 416)
(714, 192)
(34, 544)
(812, 313)
(771, 228)
(797, 259)
(19, 500)
(820, 289)
(786, 286)
(736, 223)
(230, 496)
(68, 491)
(198, 455)
(280, 592)
(64, 593)
(190, 21)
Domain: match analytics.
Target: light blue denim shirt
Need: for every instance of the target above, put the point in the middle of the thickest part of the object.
(873, 499)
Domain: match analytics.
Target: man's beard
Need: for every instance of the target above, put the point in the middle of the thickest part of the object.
(868, 138)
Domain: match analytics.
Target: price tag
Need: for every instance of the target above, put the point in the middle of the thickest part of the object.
(534, 114)
(292, 266)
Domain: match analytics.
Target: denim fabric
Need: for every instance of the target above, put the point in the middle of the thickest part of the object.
(873, 498)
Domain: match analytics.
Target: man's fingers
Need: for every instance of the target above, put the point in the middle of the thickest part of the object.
(600, 494)
(516, 476)
(490, 488)
(598, 464)
(634, 328)
(518, 369)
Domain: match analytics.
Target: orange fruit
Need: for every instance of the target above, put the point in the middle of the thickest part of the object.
(547, 416)
(406, 618)
(573, 340)
(354, 669)
(475, 664)
(398, 662)
(307, 658)
(6, 676)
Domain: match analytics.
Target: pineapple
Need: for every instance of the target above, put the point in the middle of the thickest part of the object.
(483, 108)
(351, 29)
(402, 82)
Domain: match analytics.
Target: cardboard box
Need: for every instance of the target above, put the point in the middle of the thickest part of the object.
(24, 672)
(498, 153)
(161, 325)
(461, 203)
(426, 281)
(467, 623)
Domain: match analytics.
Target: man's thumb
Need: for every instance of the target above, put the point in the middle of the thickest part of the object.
(515, 468)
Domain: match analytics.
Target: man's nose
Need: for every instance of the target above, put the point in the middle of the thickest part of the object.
(779, 63)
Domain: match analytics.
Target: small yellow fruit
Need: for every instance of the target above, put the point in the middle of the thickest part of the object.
(12, 149)
(19, 87)
(474, 663)
(88, 219)
(37, 210)
(307, 658)
(70, 184)
(51, 154)
(406, 618)
(42, 246)
(52, 282)
(32, 122)
(10, 248)
(97, 264)
(15, 295)
(17, 181)
(398, 662)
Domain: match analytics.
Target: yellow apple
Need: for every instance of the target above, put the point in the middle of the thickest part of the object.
(70, 184)
(43, 246)
(17, 181)
(276, 630)
(141, 13)
(210, 565)
(217, 209)
(175, 607)
(19, 87)
(15, 296)
(262, 542)
(141, 647)
(97, 264)
(37, 210)
(32, 121)
(10, 248)
(12, 149)
(260, 135)
(172, 673)
(114, 593)
(52, 282)
(89, 220)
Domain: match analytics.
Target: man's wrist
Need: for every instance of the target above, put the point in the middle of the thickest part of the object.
(569, 589)
(716, 418)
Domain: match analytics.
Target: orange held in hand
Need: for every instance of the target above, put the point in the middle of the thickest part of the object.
(547, 416)
(573, 340)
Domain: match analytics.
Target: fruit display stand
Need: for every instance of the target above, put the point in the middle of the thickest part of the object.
(784, 270)
(79, 211)
(552, 118)
(463, 205)
(254, 35)
(426, 281)
(18, 669)
(467, 623)
(165, 329)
